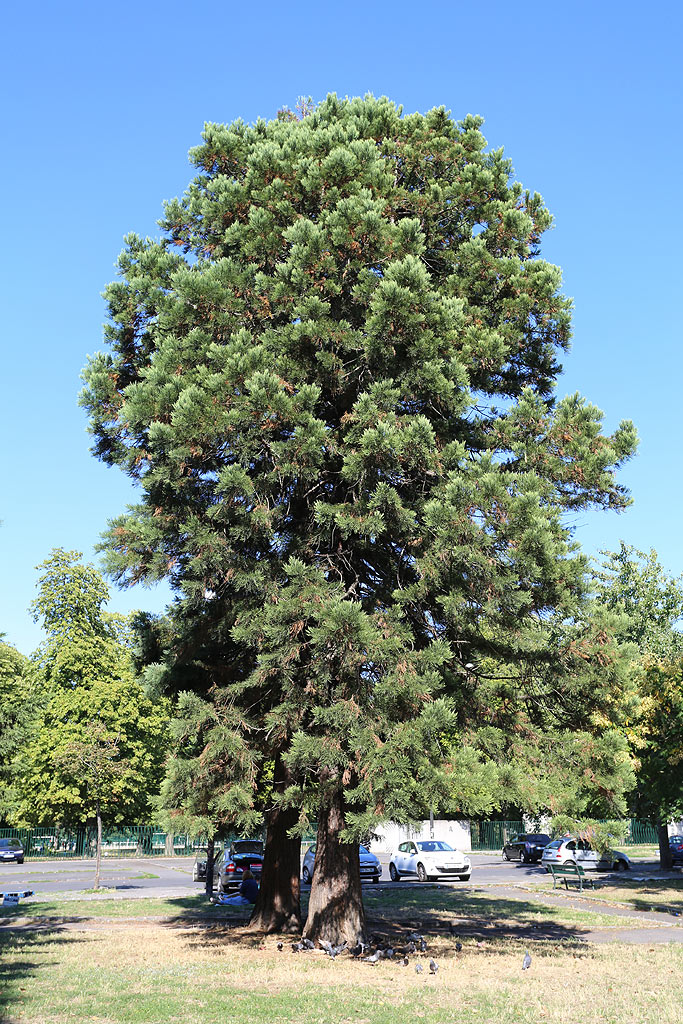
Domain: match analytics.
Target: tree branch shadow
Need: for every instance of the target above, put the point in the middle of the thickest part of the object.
(29, 939)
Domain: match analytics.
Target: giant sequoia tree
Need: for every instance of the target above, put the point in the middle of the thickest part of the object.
(333, 379)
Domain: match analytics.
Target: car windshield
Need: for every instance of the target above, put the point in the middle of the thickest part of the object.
(540, 838)
(248, 846)
(555, 845)
(11, 844)
(363, 849)
(434, 846)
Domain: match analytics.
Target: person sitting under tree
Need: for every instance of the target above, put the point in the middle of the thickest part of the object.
(247, 894)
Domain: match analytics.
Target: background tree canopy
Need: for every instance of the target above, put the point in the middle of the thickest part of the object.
(333, 379)
(88, 698)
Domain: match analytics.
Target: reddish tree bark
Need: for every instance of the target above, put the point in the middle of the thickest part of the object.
(277, 907)
(335, 909)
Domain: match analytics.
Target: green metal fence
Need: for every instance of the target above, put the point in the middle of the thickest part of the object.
(640, 832)
(154, 841)
(492, 835)
(121, 841)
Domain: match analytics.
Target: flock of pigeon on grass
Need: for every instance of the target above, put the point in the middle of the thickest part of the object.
(377, 949)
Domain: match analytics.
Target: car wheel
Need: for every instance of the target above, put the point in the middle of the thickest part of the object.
(375, 878)
(620, 865)
(525, 858)
(421, 873)
(464, 878)
(195, 875)
(306, 876)
(506, 855)
(20, 860)
(393, 873)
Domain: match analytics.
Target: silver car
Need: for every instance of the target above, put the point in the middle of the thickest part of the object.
(570, 850)
(370, 866)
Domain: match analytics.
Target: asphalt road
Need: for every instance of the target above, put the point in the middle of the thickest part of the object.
(173, 875)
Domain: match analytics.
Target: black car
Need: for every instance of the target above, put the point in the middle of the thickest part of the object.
(528, 847)
(676, 848)
(11, 849)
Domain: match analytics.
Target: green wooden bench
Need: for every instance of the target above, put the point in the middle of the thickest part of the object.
(570, 873)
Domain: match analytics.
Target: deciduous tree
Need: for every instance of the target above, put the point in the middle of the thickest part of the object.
(86, 682)
(649, 602)
(17, 711)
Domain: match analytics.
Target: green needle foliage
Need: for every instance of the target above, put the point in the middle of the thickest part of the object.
(333, 380)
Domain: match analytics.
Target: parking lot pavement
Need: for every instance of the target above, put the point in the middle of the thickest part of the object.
(122, 875)
(173, 875)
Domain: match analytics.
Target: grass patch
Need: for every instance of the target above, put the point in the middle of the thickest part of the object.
(146, 973)
(657, 894)
(435, 907)
(145, 874)
(105, 905)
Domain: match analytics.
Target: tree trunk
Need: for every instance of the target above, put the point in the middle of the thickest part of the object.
(665, 860)
(98, 853)
(277, 907)
(210, 860)
(335, 908)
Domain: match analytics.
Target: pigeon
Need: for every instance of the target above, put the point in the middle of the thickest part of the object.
(412, 948)
(332, 951)
(302, 947)
(433, 966)
(404, 962)
(526, 962)
(418, 968)
(279, 946)
(388, 953)
(359, 948)
(414, 937)
(458, 947)
(373, 958)
(423, 946)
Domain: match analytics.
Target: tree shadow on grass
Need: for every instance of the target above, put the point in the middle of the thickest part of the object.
(648, 896)
(22, 956)
(441, 915)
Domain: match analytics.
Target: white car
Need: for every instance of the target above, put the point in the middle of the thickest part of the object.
(570, 850)
(429, 858)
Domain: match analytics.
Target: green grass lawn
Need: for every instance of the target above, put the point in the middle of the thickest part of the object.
(147, 961)
(663, 894)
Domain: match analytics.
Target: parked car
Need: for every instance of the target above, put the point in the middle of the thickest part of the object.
(199, 866)
(11, 849)
(240, 854)
(370, 866)
(676, 848)
(429, 858)
(527, 847)
(570, 850)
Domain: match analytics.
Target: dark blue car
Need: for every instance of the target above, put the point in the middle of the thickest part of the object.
(11, 849)
(528, 847)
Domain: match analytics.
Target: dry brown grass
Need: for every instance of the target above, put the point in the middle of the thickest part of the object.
(116, 972)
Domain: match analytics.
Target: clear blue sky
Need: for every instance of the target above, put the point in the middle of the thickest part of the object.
(102, 103)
